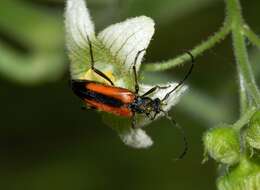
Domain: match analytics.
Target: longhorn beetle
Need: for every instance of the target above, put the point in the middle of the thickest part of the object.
(121, 101)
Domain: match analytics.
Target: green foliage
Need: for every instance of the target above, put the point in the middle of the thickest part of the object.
(40, 34)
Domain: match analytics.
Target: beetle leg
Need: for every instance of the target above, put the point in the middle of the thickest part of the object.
(154, 116)
(135, 72)
(100, 73)
(133, 122)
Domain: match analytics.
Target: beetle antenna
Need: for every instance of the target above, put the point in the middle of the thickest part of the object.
(185, 141)
(184, 79)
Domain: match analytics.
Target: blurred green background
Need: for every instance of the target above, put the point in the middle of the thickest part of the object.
(48, 142)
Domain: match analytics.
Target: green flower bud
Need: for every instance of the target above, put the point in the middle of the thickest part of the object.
(222, 144)
(253, 131)
(245, 176)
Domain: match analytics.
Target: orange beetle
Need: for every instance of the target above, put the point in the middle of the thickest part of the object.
(121, 101)
(117, 100)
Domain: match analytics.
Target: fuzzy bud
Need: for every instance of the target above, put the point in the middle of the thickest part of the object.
(245, 176)
(222, 144)
(253, 131)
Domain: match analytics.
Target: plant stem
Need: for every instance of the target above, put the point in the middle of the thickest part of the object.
(196, 51)
(244, 119)
(240, 50)
(254, 39)
(243, 95)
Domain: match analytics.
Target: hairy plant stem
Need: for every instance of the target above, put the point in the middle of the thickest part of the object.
(254, 38)
(244, 119)
(240, 51)
(242, 95)
(196, 51)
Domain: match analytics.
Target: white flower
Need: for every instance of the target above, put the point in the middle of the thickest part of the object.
(114, 49)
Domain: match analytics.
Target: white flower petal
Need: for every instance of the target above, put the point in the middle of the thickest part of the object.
(136, 138)
(125, 39)
(78, 23)
(160, 93)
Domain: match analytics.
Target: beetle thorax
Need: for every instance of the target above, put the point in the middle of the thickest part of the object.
(145, 105)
